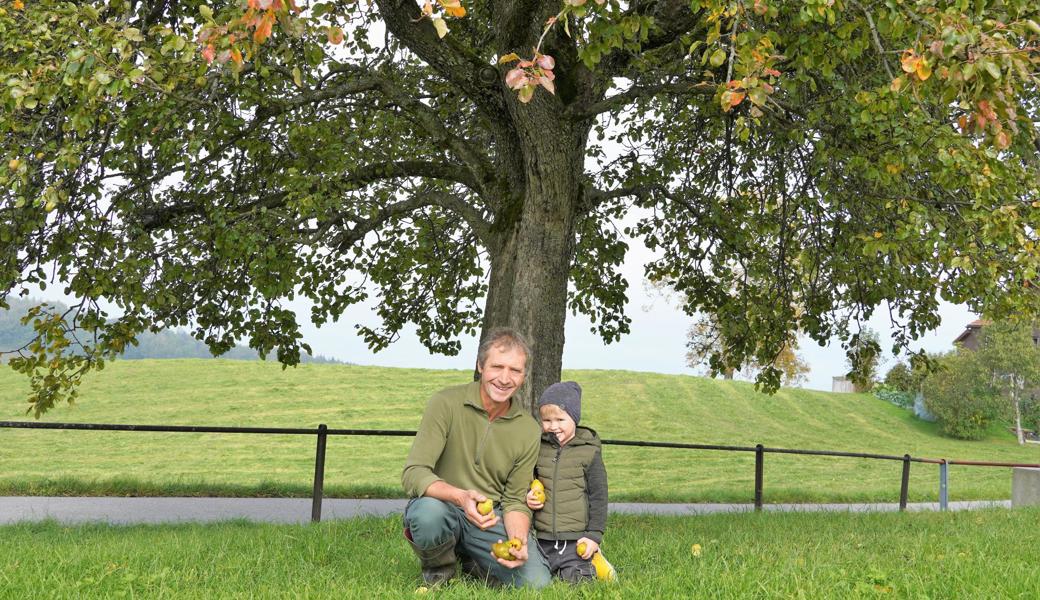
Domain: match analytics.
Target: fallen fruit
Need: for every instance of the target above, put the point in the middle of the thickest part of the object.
(537, 485)
(582, 547)
(485, 506)
(539, 496)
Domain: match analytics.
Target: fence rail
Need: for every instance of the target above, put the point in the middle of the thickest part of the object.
(323, 431)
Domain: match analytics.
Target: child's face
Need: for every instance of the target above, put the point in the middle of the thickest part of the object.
(556, 421)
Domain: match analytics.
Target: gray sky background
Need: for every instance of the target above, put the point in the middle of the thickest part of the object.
(656, 344)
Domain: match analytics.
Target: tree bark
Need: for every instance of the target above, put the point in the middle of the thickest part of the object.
(1018, 413)
(531, 261)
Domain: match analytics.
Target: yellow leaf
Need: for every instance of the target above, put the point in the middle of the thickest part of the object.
(509, 58)
(440, 26)
(696, 550)
(18, 5)
(297, 77)
(924, 70)
(455, 11)
(897, 84)
(908, 61)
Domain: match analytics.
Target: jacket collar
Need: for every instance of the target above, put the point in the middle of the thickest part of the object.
(582, 436)
(473, 399)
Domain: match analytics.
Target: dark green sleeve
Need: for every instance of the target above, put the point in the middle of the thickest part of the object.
(596, 488)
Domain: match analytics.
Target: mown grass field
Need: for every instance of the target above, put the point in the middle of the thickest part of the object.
(769, 555)
(619, 405)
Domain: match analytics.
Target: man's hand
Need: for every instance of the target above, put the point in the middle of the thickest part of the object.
(467, 501)
(520, 554)
(590, 547)
(532, 503)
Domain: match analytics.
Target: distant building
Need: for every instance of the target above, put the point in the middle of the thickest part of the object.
(842, 384)
(969, 338)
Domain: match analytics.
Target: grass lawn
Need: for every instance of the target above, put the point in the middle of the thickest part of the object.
(769, 555)
(618, 404)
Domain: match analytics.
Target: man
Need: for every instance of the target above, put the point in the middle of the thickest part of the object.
(475, 443)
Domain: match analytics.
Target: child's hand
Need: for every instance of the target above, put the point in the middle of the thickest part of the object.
(532, 503)
(590, 547)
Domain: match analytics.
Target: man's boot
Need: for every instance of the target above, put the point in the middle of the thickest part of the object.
(437, 563)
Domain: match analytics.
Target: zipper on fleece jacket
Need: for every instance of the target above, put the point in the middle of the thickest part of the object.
(483, 439)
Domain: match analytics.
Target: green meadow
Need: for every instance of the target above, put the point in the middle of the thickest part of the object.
(769, 555)
(620, 405)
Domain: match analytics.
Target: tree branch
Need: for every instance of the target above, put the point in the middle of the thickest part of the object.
(483, 173)
(412, 168)
(458, 64)
(672, 18)
(578, 113)
(874, 35)
(152, 220)
(363, 227)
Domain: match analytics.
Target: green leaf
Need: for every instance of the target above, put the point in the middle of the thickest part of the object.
(717, 57)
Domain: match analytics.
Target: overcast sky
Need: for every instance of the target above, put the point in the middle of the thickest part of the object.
(656, 344)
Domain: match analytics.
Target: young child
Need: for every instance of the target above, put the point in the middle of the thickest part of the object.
(574, 511)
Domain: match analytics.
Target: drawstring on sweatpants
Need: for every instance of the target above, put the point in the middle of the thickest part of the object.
(556, 546)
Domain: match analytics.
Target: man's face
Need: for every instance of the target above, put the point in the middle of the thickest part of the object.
(502, 373)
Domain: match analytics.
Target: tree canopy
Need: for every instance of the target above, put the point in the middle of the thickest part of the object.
(795, 165)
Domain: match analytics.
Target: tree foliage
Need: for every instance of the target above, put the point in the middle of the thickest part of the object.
(706, 346)
(863, 357)
(795, 166)
(1009, 354)
(961, 396)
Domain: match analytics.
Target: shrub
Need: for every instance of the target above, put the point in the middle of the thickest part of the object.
(960, 395)
(895, 395)
(902, 378)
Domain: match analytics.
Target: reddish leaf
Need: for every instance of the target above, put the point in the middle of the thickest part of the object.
(335, 35)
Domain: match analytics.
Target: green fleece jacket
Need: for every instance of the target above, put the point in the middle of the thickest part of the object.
(457, 444)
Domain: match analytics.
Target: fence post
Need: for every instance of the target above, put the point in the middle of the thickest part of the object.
(759, 456)
(319, 474)
(904, 488)
(944, 490)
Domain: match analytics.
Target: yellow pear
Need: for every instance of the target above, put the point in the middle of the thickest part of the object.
(582, 547)
(501, 549)
(539, 496)
(537, 485)
(485, 506)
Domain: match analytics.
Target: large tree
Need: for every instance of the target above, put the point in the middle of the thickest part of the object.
(199, 163)
(1009, 354)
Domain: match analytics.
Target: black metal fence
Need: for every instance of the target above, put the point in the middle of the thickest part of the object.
(322, 432)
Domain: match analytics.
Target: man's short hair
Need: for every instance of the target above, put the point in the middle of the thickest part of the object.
(504, 338)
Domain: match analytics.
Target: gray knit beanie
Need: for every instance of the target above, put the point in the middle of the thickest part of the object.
(566, 395)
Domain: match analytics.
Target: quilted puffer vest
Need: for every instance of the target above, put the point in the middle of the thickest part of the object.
(562, 470)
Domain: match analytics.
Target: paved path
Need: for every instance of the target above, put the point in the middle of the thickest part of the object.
(15, 509)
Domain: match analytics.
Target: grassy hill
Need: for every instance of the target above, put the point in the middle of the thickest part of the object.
(618, 404)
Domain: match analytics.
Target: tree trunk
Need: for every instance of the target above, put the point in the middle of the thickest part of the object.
(530, 264)
(1018, 413)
